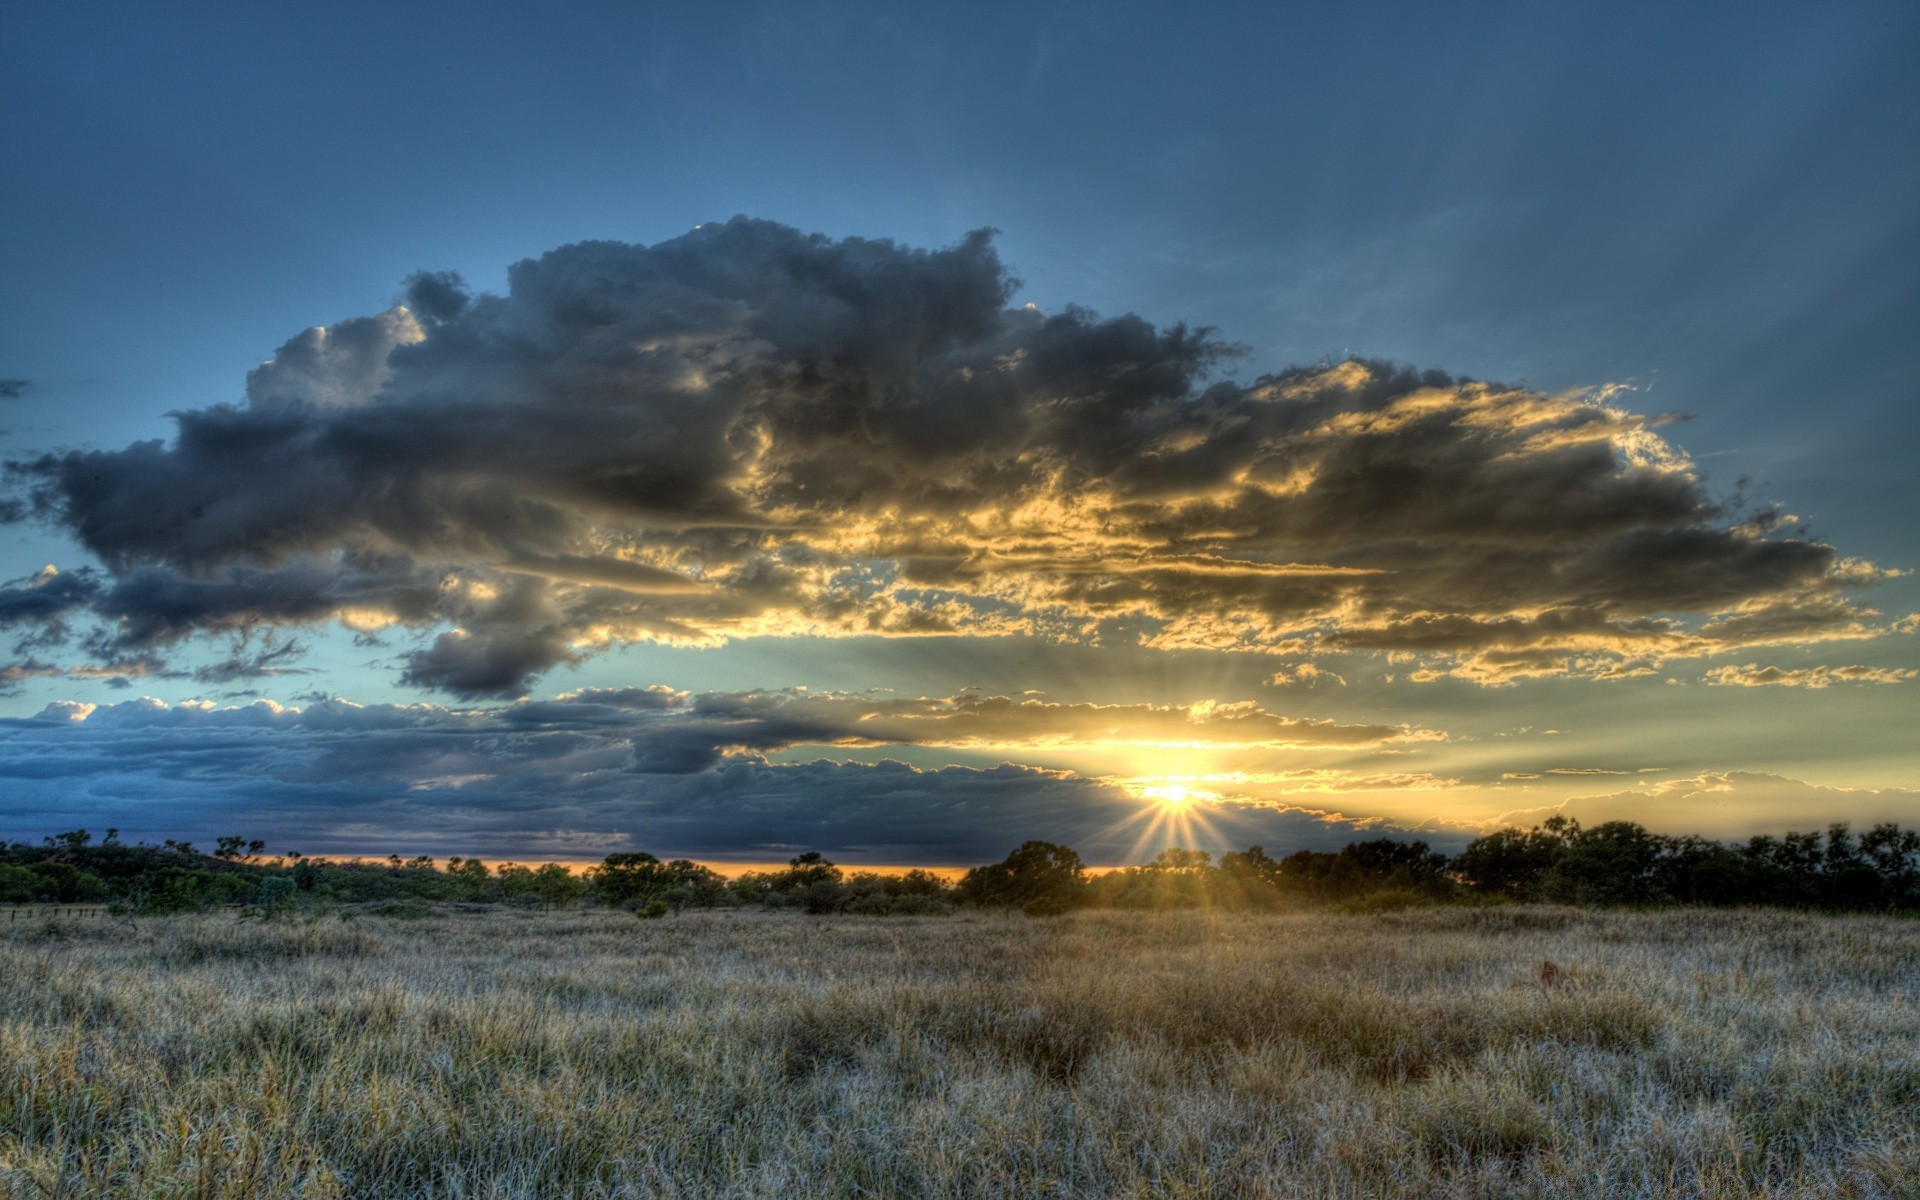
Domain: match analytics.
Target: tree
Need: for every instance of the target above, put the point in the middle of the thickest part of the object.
(1509, 862)
(471, 875)
(912, 893)
(556, 886)
(1360, 868)
(1176, 878)
(1249, 878)
(695, 886)
(1253, 864)
(633, 877)
(805, 870)
(1611, 863)
(1895, 853)
(1037, 873)
(751, 887)
(810, 882)
(18, 885)
(1174, 858)
(67, 883)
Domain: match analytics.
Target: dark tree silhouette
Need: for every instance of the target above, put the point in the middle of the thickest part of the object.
(1040, 876)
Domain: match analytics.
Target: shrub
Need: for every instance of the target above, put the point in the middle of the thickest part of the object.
(1051, 904)
(19, 885)
(181, 889)
(401, 910)
(626, 879)
(821, 897)
(1387, 900)
(67, 884)
(884, 904)
(1035, 871)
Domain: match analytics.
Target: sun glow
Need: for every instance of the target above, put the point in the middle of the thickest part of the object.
(1175, 809)
(1170, 795)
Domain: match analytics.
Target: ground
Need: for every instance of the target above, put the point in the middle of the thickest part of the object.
(468, 1051)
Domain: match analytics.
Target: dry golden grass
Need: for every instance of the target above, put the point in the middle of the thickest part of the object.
(484, 1053)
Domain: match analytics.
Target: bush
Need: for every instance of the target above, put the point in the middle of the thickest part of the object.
(1036, 871)
(19, 885)
(821, 897)
(180, 889)
(1358, 868)
(401, 910)
(67, 884)
(1622, 863)
(653, 910)
(1387, 900)
(640, 878)
(1051, 904)
(883, 904)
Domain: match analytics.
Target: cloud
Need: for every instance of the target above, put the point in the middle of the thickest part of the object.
(1754, 675)
(336, 367)
(47, 596)
(266, 662)
(1000, 721)
(1305, 674)
(1736, 804)
(14, 676)
(14, 389)
(749, 431)
(652, 767)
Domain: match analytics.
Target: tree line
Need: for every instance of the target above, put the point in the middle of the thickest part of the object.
(1559, 861)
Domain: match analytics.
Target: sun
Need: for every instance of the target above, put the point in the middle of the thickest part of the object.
(1171, 812)
(1169, 795)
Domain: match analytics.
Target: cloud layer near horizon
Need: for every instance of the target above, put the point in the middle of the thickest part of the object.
(652, 768)
(1734, 805)
(590, 772)
(750, 431)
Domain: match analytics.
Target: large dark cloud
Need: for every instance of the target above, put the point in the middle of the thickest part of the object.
(47, 596)
(751, 431)
(635, 767)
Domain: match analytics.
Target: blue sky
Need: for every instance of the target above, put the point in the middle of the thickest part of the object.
(1717, 208)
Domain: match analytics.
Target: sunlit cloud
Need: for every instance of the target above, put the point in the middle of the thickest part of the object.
(1733, 804)
(749, 432)
(1307, 675)
(648, 767)
(1754, 675)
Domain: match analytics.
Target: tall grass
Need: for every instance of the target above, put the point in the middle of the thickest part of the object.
(507, 1054)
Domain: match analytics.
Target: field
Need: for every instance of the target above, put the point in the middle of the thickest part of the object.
(482, 1052)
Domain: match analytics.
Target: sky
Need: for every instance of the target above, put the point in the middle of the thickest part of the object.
(731, 430)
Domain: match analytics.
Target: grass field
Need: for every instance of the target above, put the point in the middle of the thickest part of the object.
(496, 1053)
